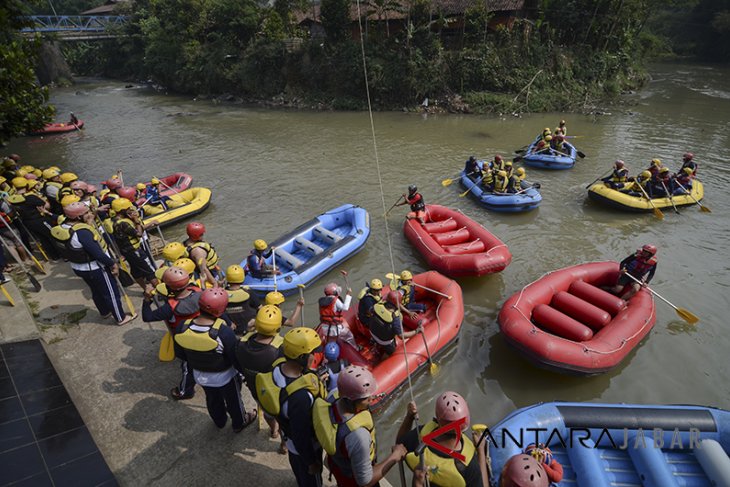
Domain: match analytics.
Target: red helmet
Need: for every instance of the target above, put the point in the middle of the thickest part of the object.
(175, 278)
(688, 156)
(523, 471)
(356, 382)
(78, 185)
(619, 163)
(393, 297)
(332, 289)
(213, 301)
(14, 157)
(128, 192)
(195, 230)
(651, 249)
(497, 157)
(451, 407)
(75, 210)
(113, 183)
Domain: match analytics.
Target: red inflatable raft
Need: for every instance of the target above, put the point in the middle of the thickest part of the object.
(59, 128)
(178, 181)
(441, 324)
(565, 321)
(456, 245)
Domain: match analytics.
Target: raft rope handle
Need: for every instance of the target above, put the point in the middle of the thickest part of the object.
(439, 255)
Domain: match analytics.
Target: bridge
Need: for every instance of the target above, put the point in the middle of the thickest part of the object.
(76, 27)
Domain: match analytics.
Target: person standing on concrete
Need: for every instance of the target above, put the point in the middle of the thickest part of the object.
(208, 344)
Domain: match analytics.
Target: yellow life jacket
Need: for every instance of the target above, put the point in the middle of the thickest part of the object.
(211, 258)
(488, 177)
(133, 241)
(362, 293)
(406, 290)
(201, 347)
(236, 298)
(500, 184)
(63, 234)
(442, 471)
(384, 313)
(271, 396)
(327, 423)
(64, 191)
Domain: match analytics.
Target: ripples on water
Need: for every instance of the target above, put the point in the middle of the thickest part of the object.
(271, 170)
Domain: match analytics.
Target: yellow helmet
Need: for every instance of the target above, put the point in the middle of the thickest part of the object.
(502, 174)
(507, 163)
(520, 172)
(548, 138)
(645, 175)
(160, 271)
(274, 297)
(68, 199)
(141, 186)
(656, 162)
(406, 276)
(155, 181)
(663, 170)
(688, 171)
(21, 173)
(27, 168)
(38, 173)
(235, 274)
(32, 183)
(300, 341)
(8, 162)
(55, 168)
(546, 129)
(121, 204)
(2, 180)
(260, 244)
(268, 320)
(19, 182)
(67, 177)
(173, 251)
(50, 173)
(376, 285)
(185, 264)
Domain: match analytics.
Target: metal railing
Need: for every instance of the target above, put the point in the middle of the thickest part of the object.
(74, 23)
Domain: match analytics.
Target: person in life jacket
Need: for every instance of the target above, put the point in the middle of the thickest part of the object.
(275, 298)
(523, 470)
(153, 195)
(90, 259)
(659, 184)
(654, 167)
(288, 393)
(418, 205)
(332, 323)
(256, 264)
(202, 253)
(634, 186)
(257, 351)
(208, 345)
(407, 289)
(546, 132)
(332, 365)
(128, 232)
(386, 324)
(242, 306)
(113, 184)
(619, 177)
(544, 456)
(369, 297)
(641, 265)
(501, 181)
(557, 144)
(444, 470)
(345, 429)
(689, 162)
(682, 182)
(34, 212)
(545, 145)
(488, 179)
(180, 304)
(11, 235)
(563, 127)
(52, 185)
(472, 169)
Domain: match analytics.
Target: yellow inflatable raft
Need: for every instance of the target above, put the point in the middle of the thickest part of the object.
(602, 193)
(182, 205)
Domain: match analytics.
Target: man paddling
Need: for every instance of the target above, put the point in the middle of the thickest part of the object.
(418, 205)
(641, 265)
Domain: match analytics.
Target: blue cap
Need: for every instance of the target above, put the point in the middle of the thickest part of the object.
(332, 351)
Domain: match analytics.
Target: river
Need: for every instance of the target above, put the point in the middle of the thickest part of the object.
(273, 169)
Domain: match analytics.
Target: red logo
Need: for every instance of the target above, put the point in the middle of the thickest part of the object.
(456, 426)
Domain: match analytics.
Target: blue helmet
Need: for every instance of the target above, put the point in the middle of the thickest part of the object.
(332, 351)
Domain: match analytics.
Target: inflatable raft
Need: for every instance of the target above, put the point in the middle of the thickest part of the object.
(455, 245)
(441, 324)
(59, 128)
(183, 205)
(564, 321)
(605, 445)
(616, 199)
(313, 248)
(528, 200)
(553, 160)
(174, 183)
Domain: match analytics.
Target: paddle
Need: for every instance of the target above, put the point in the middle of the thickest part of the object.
(394, 277)
(159, 230)
(173, 189)
(7, 295)
(301, 297)
(522, 149)
(468, 190)
(580, 154)
(598, 178)
(702, 207)
(31, 278)
(448, 181)
(517, 158)
(394, 205)
(344, 274)
(72, 122)
(433, 367)
(657, 212)
(27, 251)
(273, 264)
(34, 240)
(671, 200)
(681, 312)
(167, 348)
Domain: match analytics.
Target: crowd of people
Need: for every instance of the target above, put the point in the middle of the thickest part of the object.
(497, 176)
(657, 181)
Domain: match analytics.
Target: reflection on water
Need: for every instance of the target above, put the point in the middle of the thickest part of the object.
(272, 170)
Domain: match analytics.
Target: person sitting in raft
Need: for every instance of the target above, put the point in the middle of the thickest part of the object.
(545, 458)
(658, 186)
(508, 168)
(682, 182)
(654, 167)
(563, 128)
(543, 147)
(501, 180)
(141, 190)
(641, 265)
(444, 470)
(521, 173)
(619, 177)
(546, 133)
(522, 470)
(418, 205)
(73, 120)
(688, 161)
(386, 325)
(154, 197)
(498, 163)
(635, 185)
(514, 184)
(256, 265)
(407, 290)
(488, 180)
(471, 168)
(333, 325)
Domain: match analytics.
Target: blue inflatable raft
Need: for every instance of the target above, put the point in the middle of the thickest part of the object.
(528, 200)
(603, 445)
(313, 248)
(553, 160)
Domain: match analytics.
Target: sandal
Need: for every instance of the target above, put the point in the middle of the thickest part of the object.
(248, 419)
(127, 319)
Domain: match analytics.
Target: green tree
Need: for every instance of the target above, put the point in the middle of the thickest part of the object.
(23, 103)
(335, 16)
